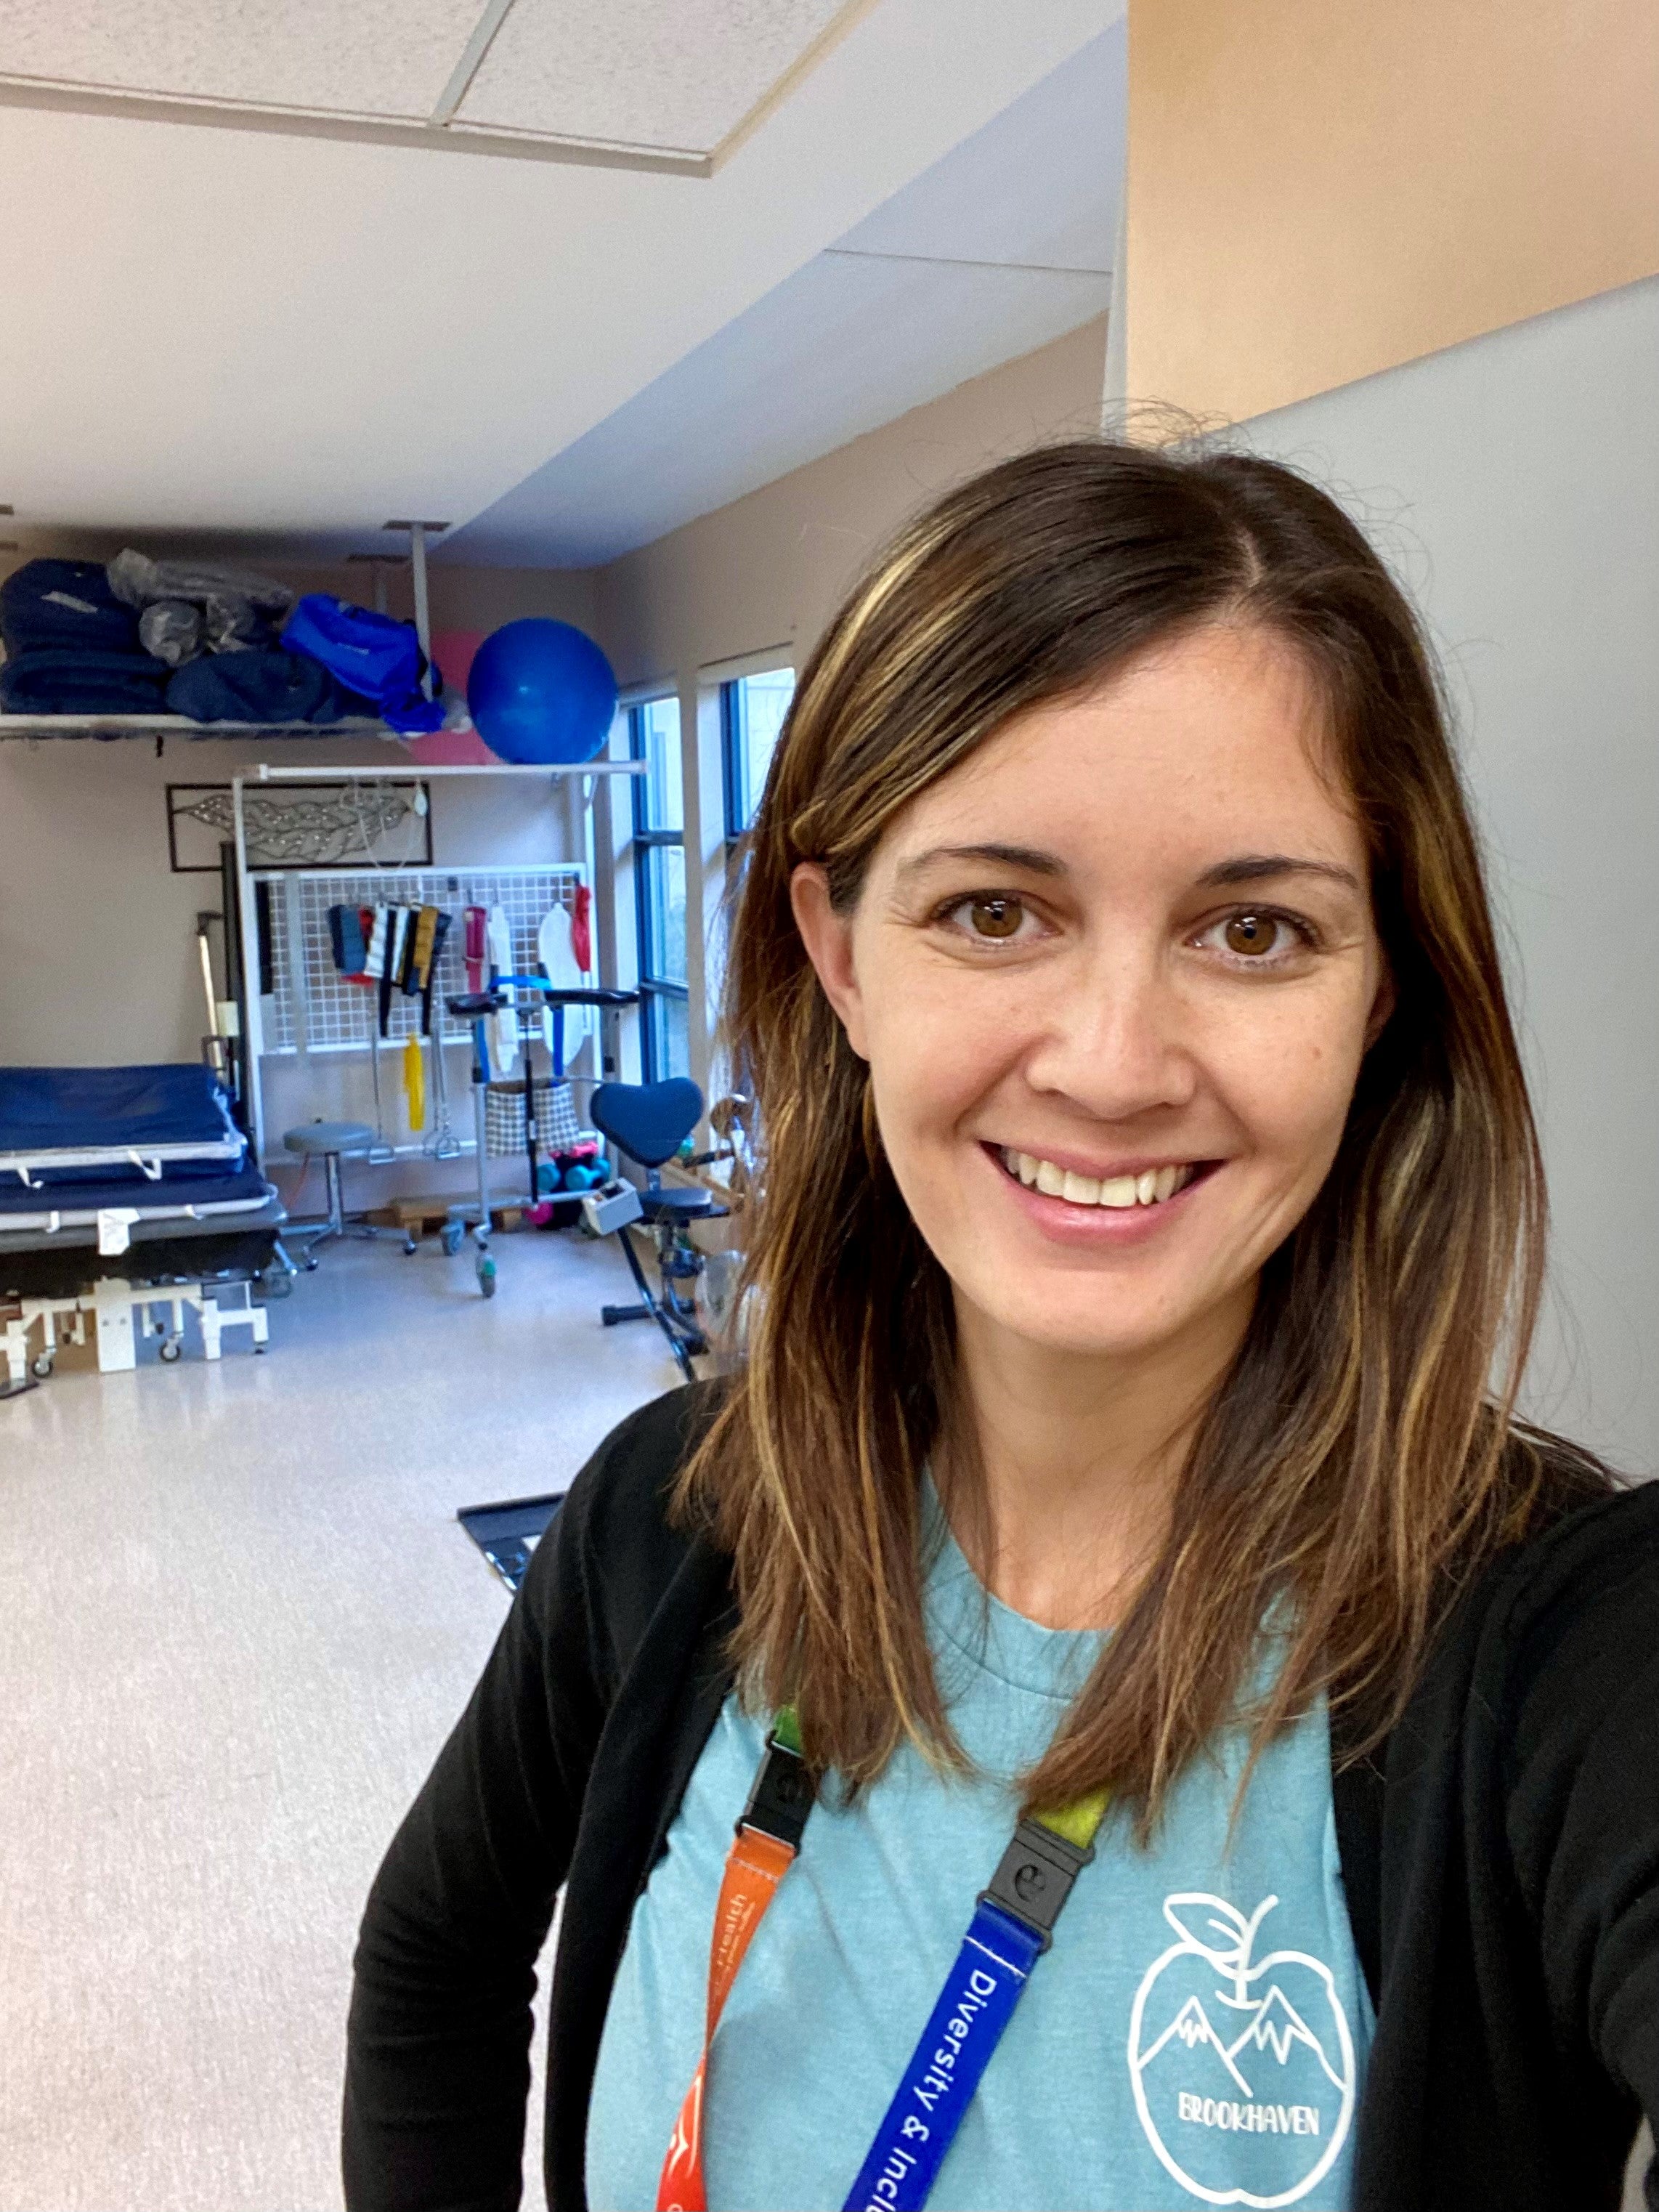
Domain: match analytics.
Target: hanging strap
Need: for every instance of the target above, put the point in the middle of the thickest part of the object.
(440, 927)
(769, 1836)
(1012, 1926)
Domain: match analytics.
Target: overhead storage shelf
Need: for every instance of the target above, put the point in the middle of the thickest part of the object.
(181, 725)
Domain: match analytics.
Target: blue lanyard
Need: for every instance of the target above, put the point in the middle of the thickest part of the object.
(1011, 1928)
(1012, 1924)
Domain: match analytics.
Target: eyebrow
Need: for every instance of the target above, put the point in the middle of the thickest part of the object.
(1028, 856)
(1246, 868)
(1256, 867)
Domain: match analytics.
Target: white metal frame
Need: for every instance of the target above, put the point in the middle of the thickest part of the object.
(598, 771)
(706, 881)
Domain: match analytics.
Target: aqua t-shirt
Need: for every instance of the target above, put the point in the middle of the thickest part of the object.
(1197, 2034)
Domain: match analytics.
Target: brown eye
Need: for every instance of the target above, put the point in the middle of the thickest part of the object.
(996, 917)
(1251, 932)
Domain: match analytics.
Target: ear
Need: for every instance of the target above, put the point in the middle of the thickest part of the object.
(828, 937)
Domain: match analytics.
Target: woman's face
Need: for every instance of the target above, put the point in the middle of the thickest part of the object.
(1114, 978)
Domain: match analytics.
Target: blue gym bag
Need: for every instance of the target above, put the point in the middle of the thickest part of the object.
(368, 653)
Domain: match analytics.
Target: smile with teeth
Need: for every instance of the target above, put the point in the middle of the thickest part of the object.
(1150, 1188)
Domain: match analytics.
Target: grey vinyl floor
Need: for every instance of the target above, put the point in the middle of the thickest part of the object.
(237, 1619)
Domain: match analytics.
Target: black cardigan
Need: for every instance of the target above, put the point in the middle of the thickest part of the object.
(1502, 1865)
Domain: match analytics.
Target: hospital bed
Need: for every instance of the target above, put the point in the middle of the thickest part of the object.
(126, 1197)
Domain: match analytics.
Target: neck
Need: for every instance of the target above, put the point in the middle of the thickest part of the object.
(1080, 1455)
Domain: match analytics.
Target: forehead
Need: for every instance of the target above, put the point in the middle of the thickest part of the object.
(1214, 743)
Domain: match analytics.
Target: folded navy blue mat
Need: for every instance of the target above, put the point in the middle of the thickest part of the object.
(60, 680)
(64, 604)
(247, 1187)
(262, 685)
(173, 1108)
(48, 1175)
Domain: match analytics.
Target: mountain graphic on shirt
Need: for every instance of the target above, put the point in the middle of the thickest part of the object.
(1278, 2032)
(1241, 2058)
(1206, 2064)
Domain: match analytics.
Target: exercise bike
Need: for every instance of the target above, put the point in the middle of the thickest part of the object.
(647, 1123)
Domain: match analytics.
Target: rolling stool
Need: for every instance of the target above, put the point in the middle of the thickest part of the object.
(331, 1142)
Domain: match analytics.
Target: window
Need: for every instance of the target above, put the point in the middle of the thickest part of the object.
(752, 708)
(653, 736)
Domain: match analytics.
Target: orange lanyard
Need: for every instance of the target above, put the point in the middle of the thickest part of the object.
(768, 1837)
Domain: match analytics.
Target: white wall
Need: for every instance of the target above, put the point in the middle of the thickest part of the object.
(1514, 481)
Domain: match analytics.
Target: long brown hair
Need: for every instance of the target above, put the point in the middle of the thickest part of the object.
(1363, 1452)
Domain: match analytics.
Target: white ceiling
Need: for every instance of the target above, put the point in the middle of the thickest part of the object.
(1004, 244)
(620, 72)
(281, 341)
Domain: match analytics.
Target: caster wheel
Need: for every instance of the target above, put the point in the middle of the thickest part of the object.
(487, 1277)
(409, 1248)
(452, 1240)
(41, 1366)
(310, 1266)
(171, 1349)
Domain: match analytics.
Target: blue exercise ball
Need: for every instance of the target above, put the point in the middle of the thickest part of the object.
(541, 691)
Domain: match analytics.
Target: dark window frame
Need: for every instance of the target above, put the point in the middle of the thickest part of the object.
(734, 752)
(734, 734)
(654, 988)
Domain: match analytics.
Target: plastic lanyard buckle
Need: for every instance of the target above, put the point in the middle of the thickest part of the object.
(781, 1795)
(1034, 1877)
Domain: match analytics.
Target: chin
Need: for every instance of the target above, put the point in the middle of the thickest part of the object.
(1080, 1327)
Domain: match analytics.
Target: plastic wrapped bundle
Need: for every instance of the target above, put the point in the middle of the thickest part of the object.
(139, 580)
(171, 630)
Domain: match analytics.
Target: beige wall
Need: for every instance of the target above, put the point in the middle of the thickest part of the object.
(764, 575)
(1318, 190)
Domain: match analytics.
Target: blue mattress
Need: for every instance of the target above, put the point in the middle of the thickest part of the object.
(56, 1123)
(75, 1204)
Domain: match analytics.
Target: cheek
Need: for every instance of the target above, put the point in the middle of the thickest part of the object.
(1288, 1080)
(934, 1051)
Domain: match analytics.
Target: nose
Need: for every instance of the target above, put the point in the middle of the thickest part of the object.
(1107, 1035)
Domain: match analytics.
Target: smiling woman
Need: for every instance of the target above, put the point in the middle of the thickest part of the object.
(1125, 1461)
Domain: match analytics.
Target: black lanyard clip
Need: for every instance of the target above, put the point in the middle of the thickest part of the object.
(1034, 1876)
(782, 1795)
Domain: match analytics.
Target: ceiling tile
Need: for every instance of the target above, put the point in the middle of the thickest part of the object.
(373, 57)
(637, 73)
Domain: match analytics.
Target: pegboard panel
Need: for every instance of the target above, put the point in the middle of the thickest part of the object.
(312, 997)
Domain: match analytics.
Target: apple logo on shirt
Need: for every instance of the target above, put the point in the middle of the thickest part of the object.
(1243, 2068)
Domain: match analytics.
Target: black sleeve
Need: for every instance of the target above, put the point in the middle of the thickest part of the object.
(438, 2042)
(1584, 1795)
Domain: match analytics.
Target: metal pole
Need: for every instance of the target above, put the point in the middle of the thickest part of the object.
(266, 773)
(422, 610)
(253, 1043)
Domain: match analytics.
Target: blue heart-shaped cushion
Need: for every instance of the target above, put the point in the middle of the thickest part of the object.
(647, 1121)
